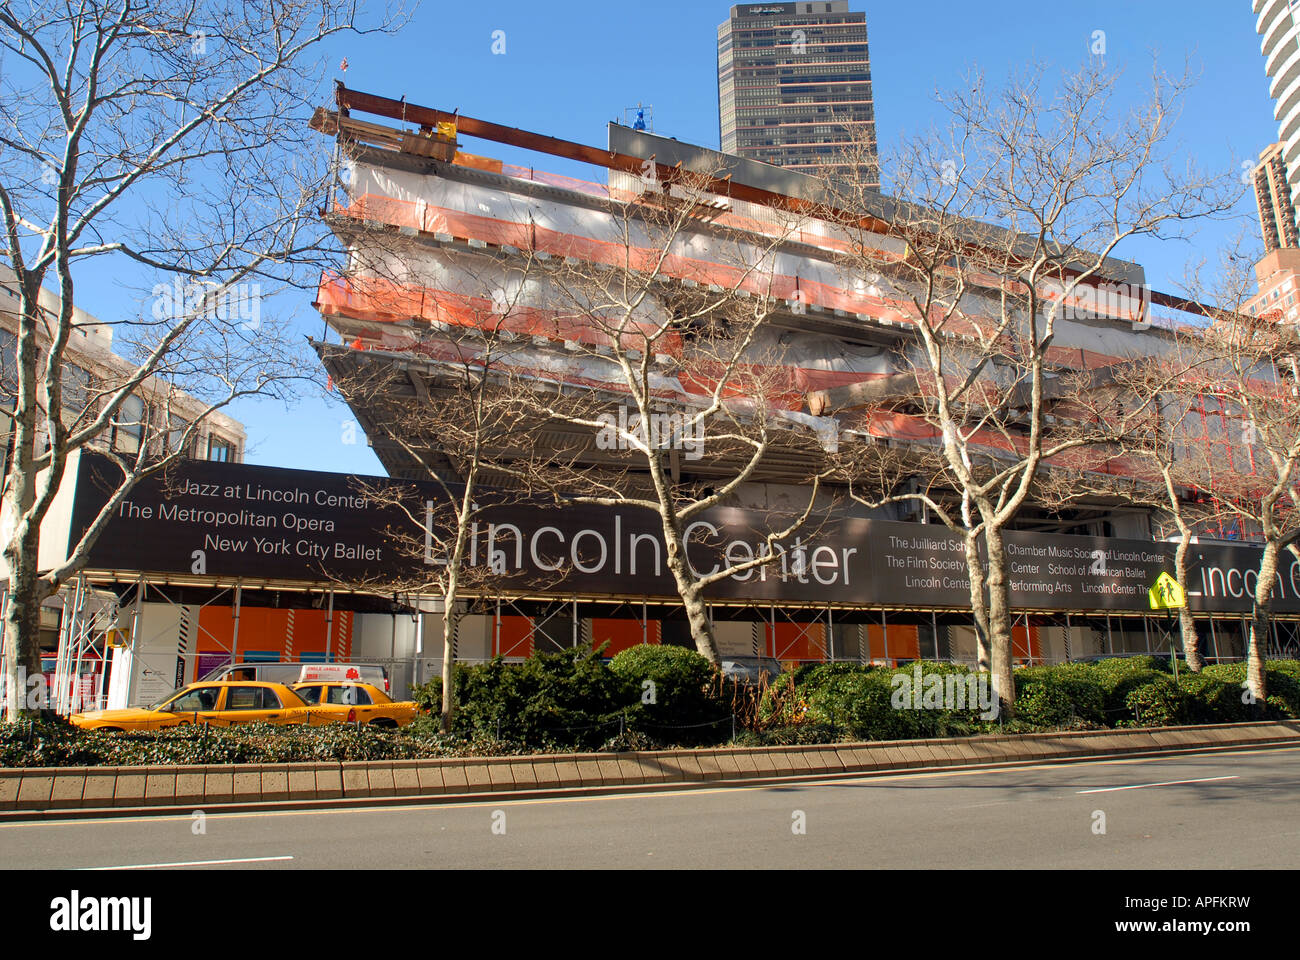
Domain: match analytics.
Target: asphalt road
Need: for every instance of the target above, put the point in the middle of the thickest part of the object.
(1215, 811)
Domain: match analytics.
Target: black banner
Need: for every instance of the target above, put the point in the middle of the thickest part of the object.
(264, 523)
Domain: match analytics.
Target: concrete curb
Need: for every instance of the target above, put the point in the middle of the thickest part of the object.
(28, 793)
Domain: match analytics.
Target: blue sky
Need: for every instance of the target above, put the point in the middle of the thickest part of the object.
(570, 67)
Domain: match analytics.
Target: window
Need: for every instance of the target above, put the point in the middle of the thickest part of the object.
(204, 698)
(220, 450)
(176, 433)
(348, 696)
(308, 695)
(128, 430)
(251, 698)
(76, 390)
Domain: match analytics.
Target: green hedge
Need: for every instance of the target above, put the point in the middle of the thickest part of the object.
(57, 743)
(664, 694)
(577, 701)
(678, 696)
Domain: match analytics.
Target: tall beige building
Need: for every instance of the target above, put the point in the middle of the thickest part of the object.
(1278, 24)
(1277, 219)
(156, 414)
(794, 85)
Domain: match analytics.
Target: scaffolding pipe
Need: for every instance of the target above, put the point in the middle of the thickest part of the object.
(234, 636)
(137, 616)
(329, 628)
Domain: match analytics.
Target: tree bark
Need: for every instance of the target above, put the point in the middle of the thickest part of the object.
(1186, 622)
(697, 616)
(978, 605)
(450, 621)
(1260, 618)
(26, 591)
(999, 621)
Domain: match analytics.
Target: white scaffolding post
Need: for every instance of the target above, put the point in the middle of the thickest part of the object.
(137, 619)
(69, 633)
(329, 627)
(83, 639)
(234, 636)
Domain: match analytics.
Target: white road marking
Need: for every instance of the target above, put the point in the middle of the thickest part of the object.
(187, 863)
(1166, 783)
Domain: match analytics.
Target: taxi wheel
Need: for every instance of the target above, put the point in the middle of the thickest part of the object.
(383, 723)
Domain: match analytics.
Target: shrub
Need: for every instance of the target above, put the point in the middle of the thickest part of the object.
(1120, 675)
(428, 695)
(688, 705)
(1211, 699)
(863, 701)
(1282, 678)
(571, 698)
(1156, 703)
(802, 733)
(1050, 697)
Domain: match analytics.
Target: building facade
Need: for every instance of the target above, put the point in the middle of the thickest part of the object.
(155, 416)
(794, 86)
(1278, 24)
(1273, 200)
(434, 239)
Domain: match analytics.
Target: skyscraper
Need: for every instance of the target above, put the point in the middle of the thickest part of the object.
(794, 85)
(1278, 24)
(1273, 197)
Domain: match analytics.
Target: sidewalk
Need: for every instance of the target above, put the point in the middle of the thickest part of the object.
(68, 792)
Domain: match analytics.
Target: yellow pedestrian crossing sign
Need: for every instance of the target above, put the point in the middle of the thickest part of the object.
(1166, 594)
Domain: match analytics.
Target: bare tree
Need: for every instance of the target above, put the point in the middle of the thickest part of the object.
(1168, 468)
(693, 399)
(995, 254)
(458, 402)
(1248, 444)
(158, 141)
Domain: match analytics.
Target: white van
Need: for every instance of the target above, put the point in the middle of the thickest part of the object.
(298, 671)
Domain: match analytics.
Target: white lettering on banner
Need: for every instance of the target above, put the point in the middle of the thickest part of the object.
(1234, 582)
(592, 551)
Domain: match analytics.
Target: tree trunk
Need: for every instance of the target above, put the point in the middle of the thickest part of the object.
(1260, 619)
(999, 620)
(978, 605)
(1186, 622)
(697, 615)
(26, 591)
(450, 622)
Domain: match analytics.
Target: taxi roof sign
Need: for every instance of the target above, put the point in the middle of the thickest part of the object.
(1166, 594)
(329, 671)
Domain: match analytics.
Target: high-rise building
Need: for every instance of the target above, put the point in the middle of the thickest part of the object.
(794, 86)
(1273, 197)
(1278, 24)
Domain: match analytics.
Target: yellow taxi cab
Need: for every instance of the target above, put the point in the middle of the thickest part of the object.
(341, 701)
(220, 704)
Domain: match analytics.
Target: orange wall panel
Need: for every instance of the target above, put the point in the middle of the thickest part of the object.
(796, 641)
(622, 633)
(513, 637)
